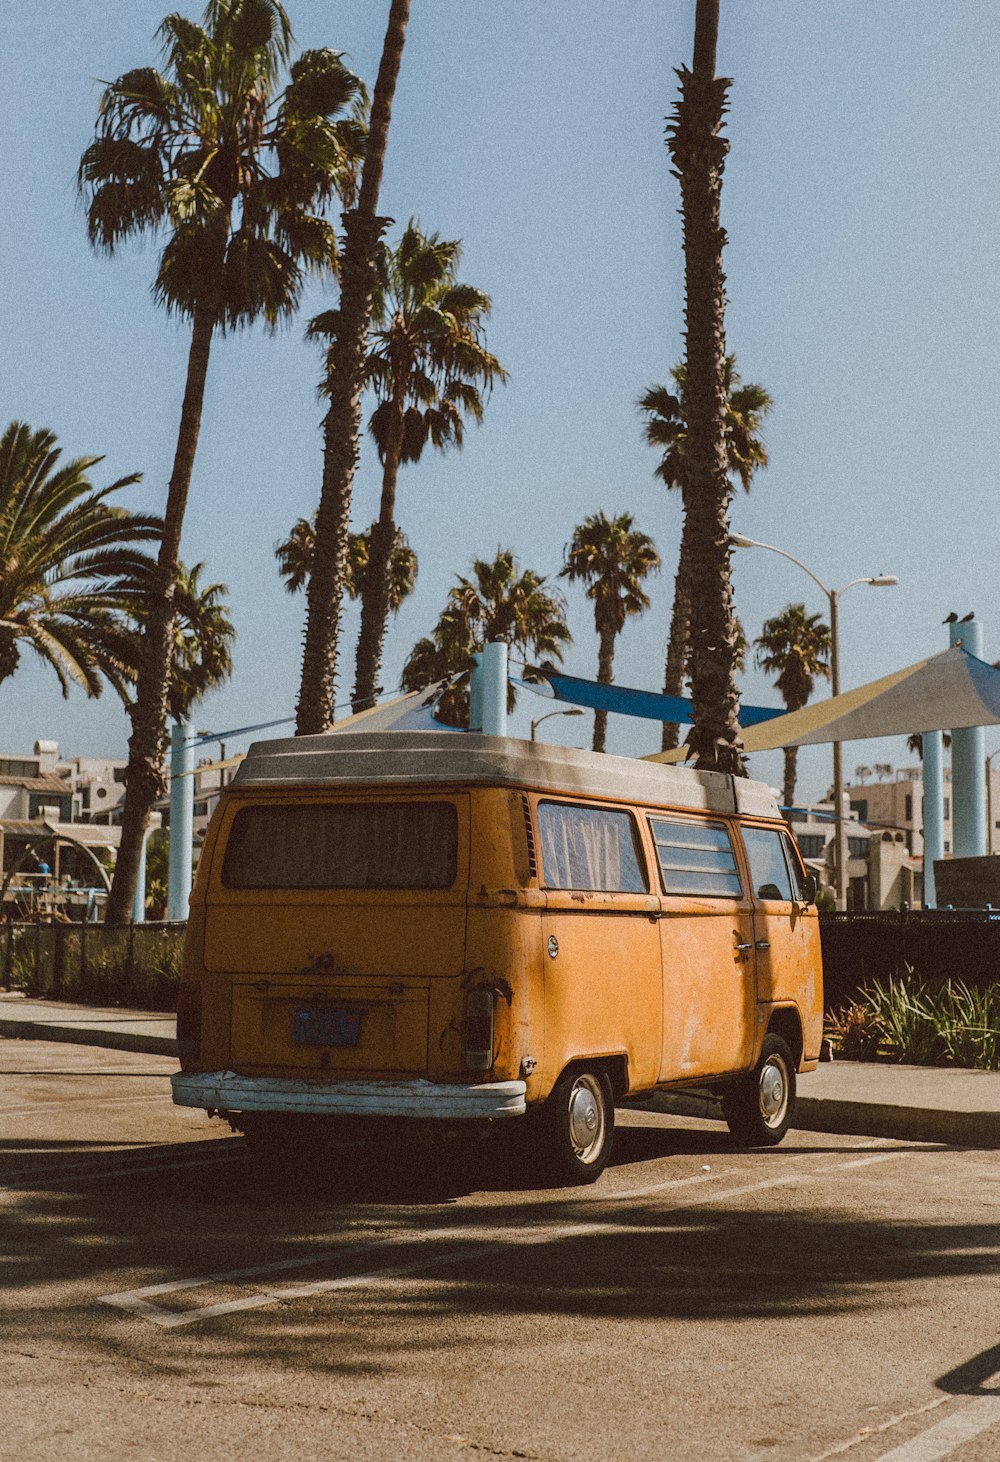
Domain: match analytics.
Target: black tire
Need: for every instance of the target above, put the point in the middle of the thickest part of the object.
(576, 1127)
(759, 1107)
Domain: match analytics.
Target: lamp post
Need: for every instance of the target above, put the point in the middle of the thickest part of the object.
(989, 801)
(573, 711)
(879, 581)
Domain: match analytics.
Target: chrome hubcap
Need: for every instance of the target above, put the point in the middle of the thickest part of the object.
(773, 1092)
(586, 1117)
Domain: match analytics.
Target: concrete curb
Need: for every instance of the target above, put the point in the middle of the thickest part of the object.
(83, 1035)
(858, 1119)
(856, 1116)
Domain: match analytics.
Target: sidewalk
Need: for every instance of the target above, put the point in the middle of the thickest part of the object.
(85, 1025)
(910, 1103)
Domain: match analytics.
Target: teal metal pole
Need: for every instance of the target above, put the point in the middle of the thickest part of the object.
(968, 756)
(181, 820)
(494, 688)
(476, 693)
(933, 811)
(139, 898)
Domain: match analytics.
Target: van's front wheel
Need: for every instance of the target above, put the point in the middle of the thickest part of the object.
(759, 1107)
(577, 1127)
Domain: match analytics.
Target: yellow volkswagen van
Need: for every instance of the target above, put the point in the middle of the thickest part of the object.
(423, 926)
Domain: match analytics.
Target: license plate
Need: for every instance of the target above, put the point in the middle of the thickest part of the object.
(326, 1026)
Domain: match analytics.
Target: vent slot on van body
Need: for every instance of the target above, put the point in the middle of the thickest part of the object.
(529, 833)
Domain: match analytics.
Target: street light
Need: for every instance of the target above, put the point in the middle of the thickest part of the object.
(989, 800)
(573, 711)
(878, 581)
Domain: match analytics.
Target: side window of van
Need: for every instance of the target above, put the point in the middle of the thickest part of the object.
(591, 848)
(768, 865)
(794, 864)
(696, 858)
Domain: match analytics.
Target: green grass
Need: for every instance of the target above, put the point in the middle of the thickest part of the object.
(908, 1020)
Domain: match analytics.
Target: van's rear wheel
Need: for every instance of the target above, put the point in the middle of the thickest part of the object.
(759, 1107)
(577, 1127)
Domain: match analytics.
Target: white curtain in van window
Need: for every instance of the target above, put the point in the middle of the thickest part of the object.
(587, 848)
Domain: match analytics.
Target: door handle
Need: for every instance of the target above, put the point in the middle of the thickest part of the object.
(741, 947)
(763, 944)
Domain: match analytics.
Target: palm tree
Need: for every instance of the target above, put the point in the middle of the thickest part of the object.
(201, 639)
(295, 560)
(363, 230)
(666, 427)
(497, 602)
(915, 740)
(612, 558)
(428, 366)
(235, 173)
(795, 647)
(698, 151)
(68, 559)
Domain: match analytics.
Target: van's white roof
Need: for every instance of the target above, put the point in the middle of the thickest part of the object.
(404, 758)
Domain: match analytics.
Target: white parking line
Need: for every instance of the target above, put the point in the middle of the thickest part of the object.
(86, 1169)
(947, 1435)
(138, 1301)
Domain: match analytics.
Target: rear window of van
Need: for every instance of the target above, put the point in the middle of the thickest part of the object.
(343, 845)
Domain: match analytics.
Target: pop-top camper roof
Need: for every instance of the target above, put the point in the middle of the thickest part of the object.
(411, 758)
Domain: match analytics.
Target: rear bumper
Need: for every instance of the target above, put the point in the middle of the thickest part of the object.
(224, 1091)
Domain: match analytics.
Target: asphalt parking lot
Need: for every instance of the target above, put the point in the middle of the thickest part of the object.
(835, 1297)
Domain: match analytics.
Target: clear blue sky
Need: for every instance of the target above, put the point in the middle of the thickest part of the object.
(861, 201)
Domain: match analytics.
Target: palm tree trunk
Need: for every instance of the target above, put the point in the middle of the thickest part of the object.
(698, 151)
(376, 588)
(342, 427)
(605, 663)
(144, 779)
(791, 771)
(678, 640)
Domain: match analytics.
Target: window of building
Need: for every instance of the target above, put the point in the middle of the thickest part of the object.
(947, 846)
(347, 845)
(908, 807)
(947, 808)
(811, 845)
(696, 858)
(860, 809)
(590, 848)
(857, 847)
(11, 767)
(200, 809)
(38, 800)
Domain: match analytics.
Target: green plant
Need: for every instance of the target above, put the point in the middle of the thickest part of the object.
(953, 1024)
(972, 1036)
(854, 1031)
(910, 1019)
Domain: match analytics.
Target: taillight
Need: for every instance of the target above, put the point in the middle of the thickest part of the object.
(188, 1022)
(478, 1030)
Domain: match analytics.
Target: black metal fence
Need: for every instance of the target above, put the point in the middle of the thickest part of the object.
(139, 964)
(937, 944)
(136, 965)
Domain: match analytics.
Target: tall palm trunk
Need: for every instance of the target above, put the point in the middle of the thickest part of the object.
(791, 773)
(376, 592)
(605, 663)
(342, 427)
(698, 151)
(678, 639)
(144, 780)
